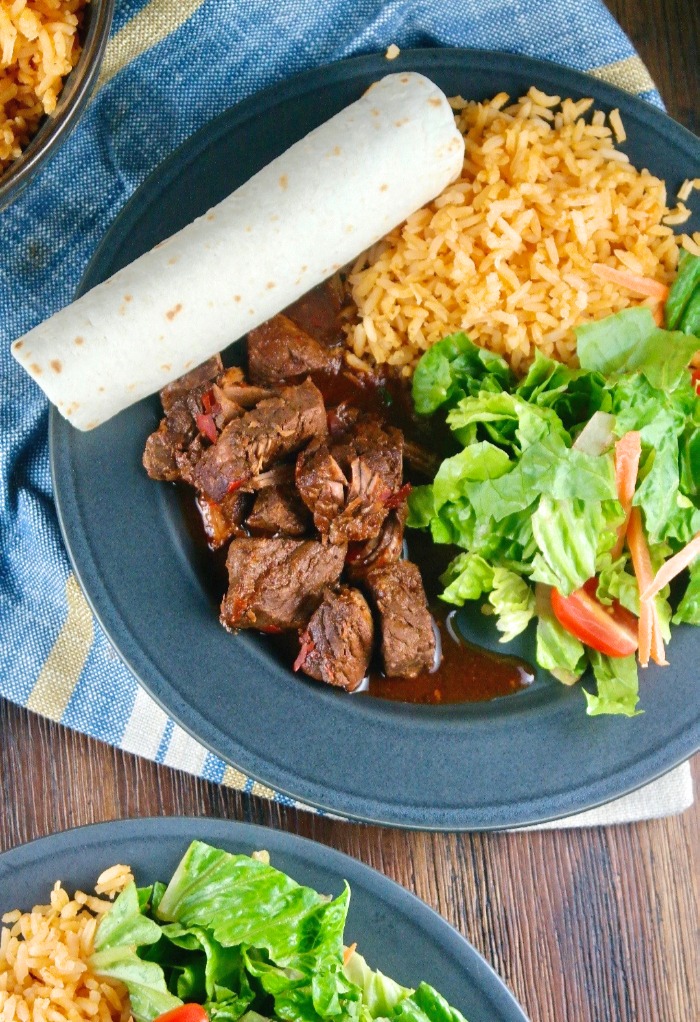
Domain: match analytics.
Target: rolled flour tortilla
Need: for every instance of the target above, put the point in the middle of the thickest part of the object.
(306, 214)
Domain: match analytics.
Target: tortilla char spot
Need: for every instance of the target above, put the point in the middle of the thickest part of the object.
(172, 313)
(17, 345)
(251, 312)
(92, 425)
(35, 369)
(284, 182)
(336, 266)
(236, 298)
(304, 268)
(132, 386)
(173, 259)
(384, 187)
(187, 364)
(55, 364)
(270, 285)
(79, 341)
(400, 123)
(337, 150)
(434, 101)
(211, 216)
(122, 310)
(404, 79)
(128, 298)
(101, 390)
(349, 228)
(374, 112)
(166, 367)
(248, 229)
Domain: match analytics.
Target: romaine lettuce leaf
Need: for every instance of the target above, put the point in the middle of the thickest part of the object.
(569, 535)
(467, 577)
(558, 651)
(513, 602)
(453, 369)
(689, 608)
(630, 342)
(243, 902)
(380, 995)
(618, 685)
(685, 285)
(120, 933)
(574, 394)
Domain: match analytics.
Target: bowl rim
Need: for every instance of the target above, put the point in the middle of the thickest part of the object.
(55, 127)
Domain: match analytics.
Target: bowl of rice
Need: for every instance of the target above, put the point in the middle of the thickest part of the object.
(50, 57)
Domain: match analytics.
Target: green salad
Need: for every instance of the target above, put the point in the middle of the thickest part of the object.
(574, 493)
(245, 941)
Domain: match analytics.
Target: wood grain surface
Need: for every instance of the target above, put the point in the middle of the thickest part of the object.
(596, 925)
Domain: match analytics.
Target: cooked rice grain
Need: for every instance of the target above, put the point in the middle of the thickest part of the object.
(506, 252)
(44, 954)
(39, 46)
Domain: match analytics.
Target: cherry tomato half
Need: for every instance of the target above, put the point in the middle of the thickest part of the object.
(611, 630)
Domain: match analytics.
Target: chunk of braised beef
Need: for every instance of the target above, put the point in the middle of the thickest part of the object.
(248, 445)
(350, 482)
(408, 638)
(318, 312)
(336, 645)
(225, 520)
(279, 511)
(201, 376)
(279, 351)
(384, 548)
(181, 402)
(276, 584)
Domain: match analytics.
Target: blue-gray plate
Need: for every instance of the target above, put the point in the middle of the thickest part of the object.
(519, 760)
(396, 932)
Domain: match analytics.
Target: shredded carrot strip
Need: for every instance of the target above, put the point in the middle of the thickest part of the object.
(658, 314)
(348, 953)
(672, 567)
(658, 653)
(628, 451)
(631, 281)
(648, 618)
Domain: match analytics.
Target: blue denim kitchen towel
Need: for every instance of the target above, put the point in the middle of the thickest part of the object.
(169, 68)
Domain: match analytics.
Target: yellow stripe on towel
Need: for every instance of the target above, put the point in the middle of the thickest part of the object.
(630, 74)
(64, 664)
(153, 23)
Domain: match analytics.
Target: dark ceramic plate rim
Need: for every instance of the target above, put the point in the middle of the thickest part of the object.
(497, 813)
(93, 838)
(57, 126)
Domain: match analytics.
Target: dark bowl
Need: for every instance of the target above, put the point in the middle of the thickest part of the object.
(55, 128)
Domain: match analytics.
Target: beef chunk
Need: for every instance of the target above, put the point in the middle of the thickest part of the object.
(275, 428)
(384, 548)
(408, 640)
(201, 377)
(337, 644)
(279, 510)
(277, 584)
(280, 352)
(224, 520)
(349, 483)
(178, 430)
(318, 312)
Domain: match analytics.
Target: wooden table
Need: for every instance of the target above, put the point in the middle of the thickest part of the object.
(584, 926)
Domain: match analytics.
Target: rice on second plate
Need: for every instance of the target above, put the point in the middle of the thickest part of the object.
(507, 252)
(44, 959)
(39, 46)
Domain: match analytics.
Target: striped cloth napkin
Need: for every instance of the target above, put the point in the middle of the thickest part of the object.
(169, 68)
